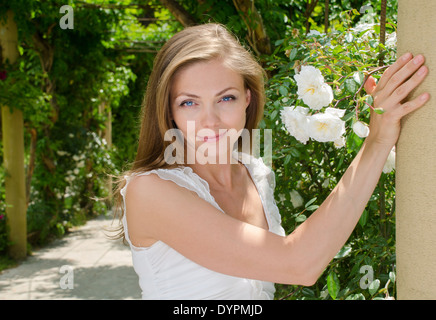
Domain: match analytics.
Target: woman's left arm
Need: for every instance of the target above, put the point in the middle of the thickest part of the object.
(328, 228)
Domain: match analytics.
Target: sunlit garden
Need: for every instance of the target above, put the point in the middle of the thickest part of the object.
(79, 81)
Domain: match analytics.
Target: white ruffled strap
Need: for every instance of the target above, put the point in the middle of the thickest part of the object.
(264, 179)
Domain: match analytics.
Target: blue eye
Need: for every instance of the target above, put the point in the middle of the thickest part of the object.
(228, 98)
(187, 103)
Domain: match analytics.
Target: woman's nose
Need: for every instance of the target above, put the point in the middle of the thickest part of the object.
(210, 117)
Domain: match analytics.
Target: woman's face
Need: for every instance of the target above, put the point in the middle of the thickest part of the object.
(208, 104)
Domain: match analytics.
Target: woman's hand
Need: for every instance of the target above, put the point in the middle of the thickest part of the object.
(390, 94)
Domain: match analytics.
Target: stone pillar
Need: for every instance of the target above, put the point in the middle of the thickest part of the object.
(416, 162)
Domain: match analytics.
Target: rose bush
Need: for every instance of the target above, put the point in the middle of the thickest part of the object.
(317, 133)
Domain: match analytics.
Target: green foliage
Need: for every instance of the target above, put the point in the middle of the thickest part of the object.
(306, 173)
(64, 81)
(3, 234)
(66, 90)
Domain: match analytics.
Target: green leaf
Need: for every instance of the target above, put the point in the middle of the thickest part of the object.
(363, 218)
(355, 12)
(341, 161)
(333, 284)
(273, 114)
(348, 116)
(300, 218)
(358, 77)
(392, 276)
(283, 91)
(345, 251)
(310, 202)
(379, 110)
(357, 296)
(312, 207)
(295, 153)
(351, 86)
(293, 54)
(373, 287)
(308, 292)
(287, 159)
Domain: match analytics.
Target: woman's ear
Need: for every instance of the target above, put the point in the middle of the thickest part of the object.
(248, 97)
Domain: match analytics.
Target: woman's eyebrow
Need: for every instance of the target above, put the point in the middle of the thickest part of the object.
(191, 95)
(226, 89)
(187, 95)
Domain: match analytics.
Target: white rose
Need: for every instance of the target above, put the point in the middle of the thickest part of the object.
(335, 112)
(390, 162)
(324, 127)
(312, 89)
(295, 120)
(361, 129)
(296, 199)
(391, 40)
(339, 143)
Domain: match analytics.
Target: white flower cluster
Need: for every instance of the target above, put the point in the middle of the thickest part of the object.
(312, 89)
(322, 127)
(315, 93)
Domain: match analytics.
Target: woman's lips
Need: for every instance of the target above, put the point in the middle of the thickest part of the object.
(212, 138)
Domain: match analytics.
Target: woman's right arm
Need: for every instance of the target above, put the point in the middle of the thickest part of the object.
(161, 210)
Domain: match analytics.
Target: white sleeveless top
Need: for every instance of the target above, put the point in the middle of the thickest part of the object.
(166, 274)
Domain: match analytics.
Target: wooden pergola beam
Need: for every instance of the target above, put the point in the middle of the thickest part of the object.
(13, 152)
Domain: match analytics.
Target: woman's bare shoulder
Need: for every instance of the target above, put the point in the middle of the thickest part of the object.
(152, 187)
(159, 209)
(150, 200)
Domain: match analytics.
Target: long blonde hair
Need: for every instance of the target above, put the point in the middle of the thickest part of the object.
(193, 44)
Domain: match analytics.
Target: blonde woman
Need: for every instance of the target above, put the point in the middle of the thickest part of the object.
(211, 229)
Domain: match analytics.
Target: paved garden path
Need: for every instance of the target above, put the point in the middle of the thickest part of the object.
(85, 264)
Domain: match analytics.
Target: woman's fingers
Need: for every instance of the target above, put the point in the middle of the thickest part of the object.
(370, 85)
(393, 69)
(387, 100)
(404, 73)
(404, 89)
(414, 104)
(390, 94)
(395, 83)
(397, 86)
